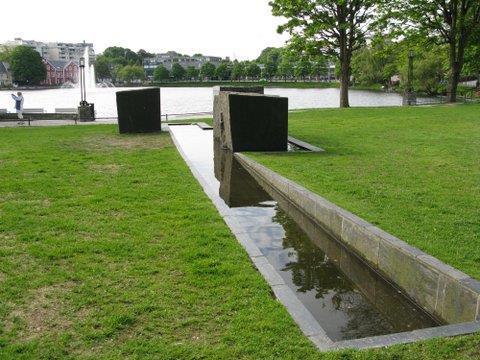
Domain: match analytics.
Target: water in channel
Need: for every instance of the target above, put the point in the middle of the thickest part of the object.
(346, 297)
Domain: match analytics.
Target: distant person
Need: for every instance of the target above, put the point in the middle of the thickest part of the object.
(19, 106)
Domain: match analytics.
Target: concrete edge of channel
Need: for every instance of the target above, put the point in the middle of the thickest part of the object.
(440, 289)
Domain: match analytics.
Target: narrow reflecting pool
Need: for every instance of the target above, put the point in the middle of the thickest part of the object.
(346, 297)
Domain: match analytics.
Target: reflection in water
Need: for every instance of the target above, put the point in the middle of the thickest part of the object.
(346, 296)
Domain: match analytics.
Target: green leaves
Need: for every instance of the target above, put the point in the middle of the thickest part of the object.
(27, 66)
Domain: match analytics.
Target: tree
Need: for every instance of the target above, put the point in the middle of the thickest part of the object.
(270, 53)
(178, 71)
(270, 59)
(161, 74)
(143, 54)
(302, 68)
(122, 56)
(192, 73)
(238, 70)
(450, 22)
(207, 71)
(334, 28)
(270, 67)
(131, 73)
(27, 66)
(318, 67)
(285, 68)
(252, 70)
(5, 53)
(223, 72)
(472, 57)
(102, 68)
(428, 72)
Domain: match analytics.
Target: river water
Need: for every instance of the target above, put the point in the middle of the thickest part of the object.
(192, 100)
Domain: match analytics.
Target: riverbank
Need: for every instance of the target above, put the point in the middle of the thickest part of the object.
(267, 84)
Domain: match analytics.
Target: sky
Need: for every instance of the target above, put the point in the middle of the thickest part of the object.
(240, 29)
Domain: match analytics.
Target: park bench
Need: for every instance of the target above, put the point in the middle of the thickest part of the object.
(33, 111)
(65, 110)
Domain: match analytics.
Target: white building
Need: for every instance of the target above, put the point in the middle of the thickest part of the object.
(170, 58)
(55, 51)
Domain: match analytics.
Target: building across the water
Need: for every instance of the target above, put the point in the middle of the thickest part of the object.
(56, 51)
(60, 72)
(170, 58)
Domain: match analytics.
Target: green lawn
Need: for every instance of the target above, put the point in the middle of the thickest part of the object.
(415, 172)
(109, 250)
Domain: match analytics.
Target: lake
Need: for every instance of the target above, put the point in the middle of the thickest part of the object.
(192, 99)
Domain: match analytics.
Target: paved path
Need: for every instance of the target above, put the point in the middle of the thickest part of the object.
(14, 123)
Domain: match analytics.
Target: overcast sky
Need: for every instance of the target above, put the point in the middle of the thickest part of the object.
(236, 28)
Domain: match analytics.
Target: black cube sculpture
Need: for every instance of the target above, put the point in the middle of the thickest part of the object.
(238, 89)
(139, 111)
(251, 122)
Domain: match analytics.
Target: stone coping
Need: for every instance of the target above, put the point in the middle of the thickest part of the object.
(204, 126)
(304, 145)
(439, 289)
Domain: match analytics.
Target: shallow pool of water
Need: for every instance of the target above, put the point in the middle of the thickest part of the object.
(347, 298)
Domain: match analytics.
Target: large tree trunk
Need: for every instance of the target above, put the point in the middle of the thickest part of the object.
(344, 84)
(455, 70)
(454, 75)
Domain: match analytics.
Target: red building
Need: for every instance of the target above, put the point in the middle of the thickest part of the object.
(61, 71)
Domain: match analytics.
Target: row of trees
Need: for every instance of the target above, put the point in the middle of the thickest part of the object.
(122, 64)
(339, 28)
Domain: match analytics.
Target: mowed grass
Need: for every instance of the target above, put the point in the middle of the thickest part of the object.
(415, 172)
(109, 249)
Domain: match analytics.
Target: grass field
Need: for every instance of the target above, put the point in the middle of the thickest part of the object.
(110, 250)
(414, 172)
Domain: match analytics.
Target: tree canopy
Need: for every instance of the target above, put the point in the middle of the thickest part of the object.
(161, 73)
(27, 66)
(450, 22)
(329, 27)
(131, 73)
(207, 71)
(178, 71)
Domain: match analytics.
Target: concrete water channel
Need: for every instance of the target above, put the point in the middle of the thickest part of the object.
(335, 297)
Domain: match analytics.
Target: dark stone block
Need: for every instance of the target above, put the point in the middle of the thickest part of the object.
(239, 89)
(139, 110)
(86, 112)
(251, 122)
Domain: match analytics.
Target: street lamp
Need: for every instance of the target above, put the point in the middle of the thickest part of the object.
(83, 91)
(86, 111)
(411, 56)
(409, 97)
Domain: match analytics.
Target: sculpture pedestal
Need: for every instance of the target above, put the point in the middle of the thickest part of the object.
(86, 112)
(139, 111)
(250, 122)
